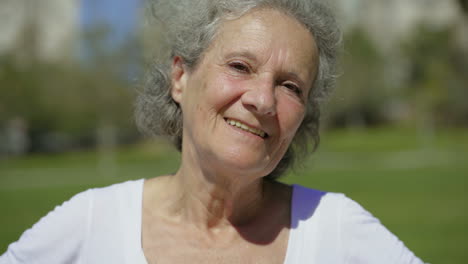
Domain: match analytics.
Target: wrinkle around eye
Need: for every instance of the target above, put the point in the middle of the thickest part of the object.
(239, 67)
(293, 88)
(294, 91)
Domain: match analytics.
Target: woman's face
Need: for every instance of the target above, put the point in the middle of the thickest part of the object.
(245, 99)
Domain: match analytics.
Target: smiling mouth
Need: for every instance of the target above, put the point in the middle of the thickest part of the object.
(245, 127)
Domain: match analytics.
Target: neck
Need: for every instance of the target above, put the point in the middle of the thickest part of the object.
(211, 200)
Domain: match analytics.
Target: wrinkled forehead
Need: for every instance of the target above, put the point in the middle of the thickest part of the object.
(268, 36)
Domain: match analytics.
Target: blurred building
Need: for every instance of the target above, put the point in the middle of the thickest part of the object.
(47, 28)
(388, 22)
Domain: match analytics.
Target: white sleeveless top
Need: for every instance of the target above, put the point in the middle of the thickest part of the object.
(104, 226)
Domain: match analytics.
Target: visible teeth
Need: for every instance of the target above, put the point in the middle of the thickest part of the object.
(246, 128)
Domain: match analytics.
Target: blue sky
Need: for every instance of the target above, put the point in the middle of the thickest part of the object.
(120, 15)
(122, 18)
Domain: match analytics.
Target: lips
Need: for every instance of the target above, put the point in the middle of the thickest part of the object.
(245, 127)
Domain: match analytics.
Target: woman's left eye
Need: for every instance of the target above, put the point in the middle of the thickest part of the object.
(294, 88)
(240, 67)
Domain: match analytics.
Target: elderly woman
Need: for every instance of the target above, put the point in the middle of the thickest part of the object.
(239, 97)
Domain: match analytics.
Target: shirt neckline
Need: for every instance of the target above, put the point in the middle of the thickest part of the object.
(291, 236)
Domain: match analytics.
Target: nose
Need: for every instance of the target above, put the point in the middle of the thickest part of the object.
(260, 97)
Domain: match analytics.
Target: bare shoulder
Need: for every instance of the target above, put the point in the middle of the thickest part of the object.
(155, 187)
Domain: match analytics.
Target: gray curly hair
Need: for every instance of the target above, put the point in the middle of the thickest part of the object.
(191, 25)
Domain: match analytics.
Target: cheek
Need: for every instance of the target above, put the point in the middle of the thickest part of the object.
(224, 92)
(290, 116)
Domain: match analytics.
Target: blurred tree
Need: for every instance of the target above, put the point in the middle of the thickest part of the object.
(361, 90)
(464, 5)
(436, 83)
(66, 104)
(422, 83)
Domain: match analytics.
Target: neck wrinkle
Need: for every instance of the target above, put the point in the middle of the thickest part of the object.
(213, 203)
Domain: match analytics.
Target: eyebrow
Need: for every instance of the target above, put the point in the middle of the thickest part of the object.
(242, 53)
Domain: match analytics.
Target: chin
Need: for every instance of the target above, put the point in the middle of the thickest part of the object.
(245, 162)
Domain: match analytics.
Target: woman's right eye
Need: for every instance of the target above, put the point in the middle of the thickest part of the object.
(239, 67)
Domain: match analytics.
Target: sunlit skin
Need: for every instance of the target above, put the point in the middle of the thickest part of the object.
(217, 208)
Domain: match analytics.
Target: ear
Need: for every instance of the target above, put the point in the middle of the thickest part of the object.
(178, 78)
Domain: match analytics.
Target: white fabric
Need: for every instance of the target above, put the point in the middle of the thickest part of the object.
(331, 228)
(104, 226)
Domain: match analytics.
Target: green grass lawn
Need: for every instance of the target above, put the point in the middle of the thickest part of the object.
(417, 186)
